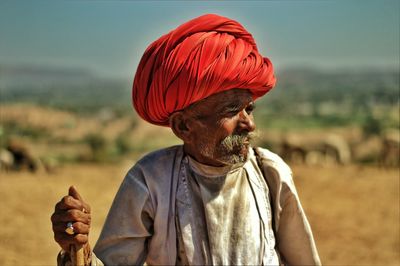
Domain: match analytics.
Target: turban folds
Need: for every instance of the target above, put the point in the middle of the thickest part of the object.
(203, 56)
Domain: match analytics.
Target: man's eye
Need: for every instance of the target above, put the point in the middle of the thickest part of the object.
(249, 109)
(230, 112)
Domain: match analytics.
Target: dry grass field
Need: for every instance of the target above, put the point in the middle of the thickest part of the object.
(354, 211)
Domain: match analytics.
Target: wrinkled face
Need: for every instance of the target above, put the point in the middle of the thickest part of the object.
(223, 123)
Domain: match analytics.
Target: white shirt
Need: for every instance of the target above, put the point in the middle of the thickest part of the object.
(141, 226)
(219, 219)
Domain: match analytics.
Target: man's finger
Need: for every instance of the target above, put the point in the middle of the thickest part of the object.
(66, 240)
(71, 202)
(72, 215)
(68, 202)
(79, 228)
(74, 193)
(86, 207)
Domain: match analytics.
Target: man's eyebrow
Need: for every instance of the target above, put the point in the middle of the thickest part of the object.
(232, 106)
(236, 105)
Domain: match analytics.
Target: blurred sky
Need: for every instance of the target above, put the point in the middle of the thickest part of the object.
(110, 36)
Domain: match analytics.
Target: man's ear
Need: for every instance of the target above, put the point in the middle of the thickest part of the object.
(180, 125)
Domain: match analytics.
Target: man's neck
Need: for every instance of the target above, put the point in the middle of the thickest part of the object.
(200, 158)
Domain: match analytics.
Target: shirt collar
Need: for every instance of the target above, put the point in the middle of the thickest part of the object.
(214, 171)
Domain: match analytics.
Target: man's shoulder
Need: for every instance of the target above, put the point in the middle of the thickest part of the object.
(156, 165)
(274, 166)
(159, 156)
(271, 159)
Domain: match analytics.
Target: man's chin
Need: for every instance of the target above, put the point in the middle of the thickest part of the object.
(243, 150)
(237, 156)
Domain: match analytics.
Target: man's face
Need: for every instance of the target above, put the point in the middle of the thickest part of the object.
(222, 125)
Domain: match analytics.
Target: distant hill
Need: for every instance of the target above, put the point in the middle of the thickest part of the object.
(16, 76)
(311, 97)
(75, 89)
(314, 86)
(299, 92)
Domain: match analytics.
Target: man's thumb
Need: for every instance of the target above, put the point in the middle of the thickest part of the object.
(74, 193)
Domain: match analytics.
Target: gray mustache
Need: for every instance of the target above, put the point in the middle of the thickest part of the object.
(235, 141)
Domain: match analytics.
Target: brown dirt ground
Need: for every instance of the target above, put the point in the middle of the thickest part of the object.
(354, 211)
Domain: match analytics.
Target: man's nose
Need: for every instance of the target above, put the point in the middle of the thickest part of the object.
(247, 121)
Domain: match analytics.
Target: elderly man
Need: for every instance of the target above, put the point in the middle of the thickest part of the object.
(214, 199)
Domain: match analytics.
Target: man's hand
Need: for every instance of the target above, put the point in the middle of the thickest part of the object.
(72, 209)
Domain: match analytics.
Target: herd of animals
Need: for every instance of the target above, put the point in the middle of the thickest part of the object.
(383, 151)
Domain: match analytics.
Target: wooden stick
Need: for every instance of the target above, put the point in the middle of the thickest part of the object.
(76, 251)
(77, 256)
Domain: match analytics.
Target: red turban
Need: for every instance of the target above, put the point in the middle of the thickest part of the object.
(203, 56)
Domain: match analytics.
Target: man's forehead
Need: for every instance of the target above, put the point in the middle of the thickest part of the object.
(229, 96)
(233, 98)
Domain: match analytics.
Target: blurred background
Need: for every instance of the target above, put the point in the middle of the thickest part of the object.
(66, 69)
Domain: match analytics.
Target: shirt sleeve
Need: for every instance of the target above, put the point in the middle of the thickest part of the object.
(294, 238)
(129, 225)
